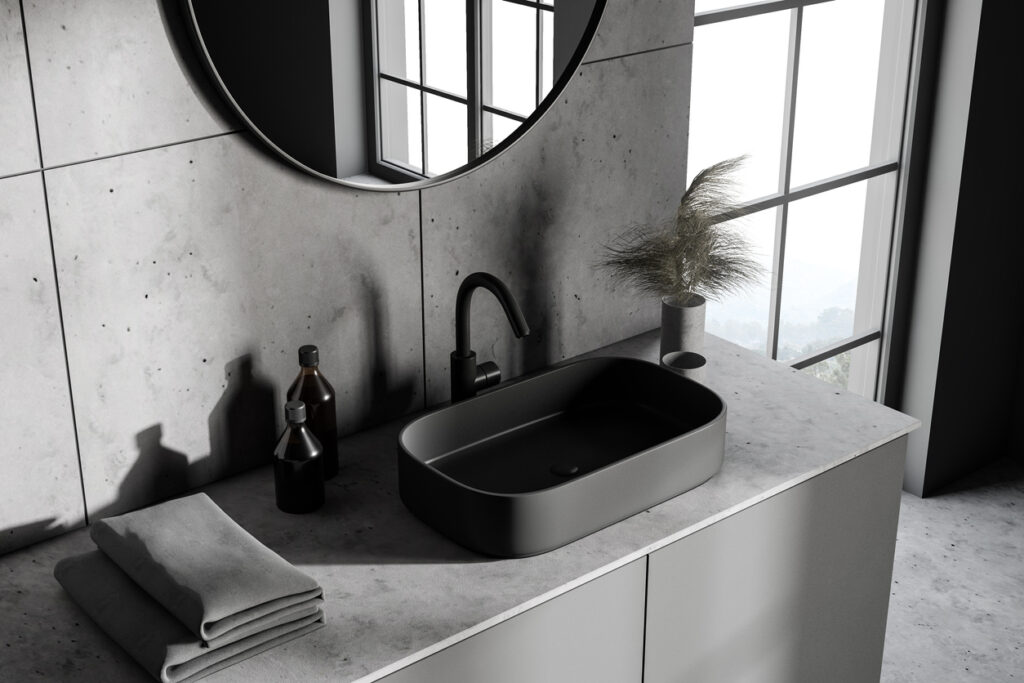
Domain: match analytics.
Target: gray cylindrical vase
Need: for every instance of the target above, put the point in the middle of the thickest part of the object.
(682, 326)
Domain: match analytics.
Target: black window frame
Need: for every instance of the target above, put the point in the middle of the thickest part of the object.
(478, 138)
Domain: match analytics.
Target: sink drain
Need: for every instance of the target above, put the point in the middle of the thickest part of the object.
(565, 469)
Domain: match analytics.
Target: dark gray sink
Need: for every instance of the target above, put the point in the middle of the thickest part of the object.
(547, 460)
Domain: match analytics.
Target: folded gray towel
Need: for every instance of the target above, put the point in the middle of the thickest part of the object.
(203, 568)
(155, 638)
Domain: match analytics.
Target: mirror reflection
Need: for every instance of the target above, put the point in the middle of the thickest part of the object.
(375, 92)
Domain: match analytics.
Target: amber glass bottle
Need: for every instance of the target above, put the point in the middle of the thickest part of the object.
(313, 389)
(298, 464)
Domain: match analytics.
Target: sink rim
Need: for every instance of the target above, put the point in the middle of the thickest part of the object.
(709, 425)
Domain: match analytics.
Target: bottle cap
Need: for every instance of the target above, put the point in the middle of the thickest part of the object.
(295, 411)
(309, 356)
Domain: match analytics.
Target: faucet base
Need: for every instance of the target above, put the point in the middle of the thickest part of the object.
(468, 378)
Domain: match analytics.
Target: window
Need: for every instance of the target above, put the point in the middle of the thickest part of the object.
(814, 93)
(444, 95)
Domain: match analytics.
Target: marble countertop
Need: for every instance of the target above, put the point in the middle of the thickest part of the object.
(397, 591)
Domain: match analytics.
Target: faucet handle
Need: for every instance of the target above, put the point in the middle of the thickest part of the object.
(469, 378)
(488, 374)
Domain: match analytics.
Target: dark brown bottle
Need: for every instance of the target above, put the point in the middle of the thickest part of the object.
(298, 464)
(313, 389)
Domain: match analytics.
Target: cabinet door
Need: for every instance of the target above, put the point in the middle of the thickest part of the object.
(794, 588)
(593, 633)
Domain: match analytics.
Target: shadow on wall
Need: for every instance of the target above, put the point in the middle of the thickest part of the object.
(179, 36)
(158, 473)
(385, 401)
(18, 536)
(1005, 473)
(532, 260)
(242, 425)
(243, 431)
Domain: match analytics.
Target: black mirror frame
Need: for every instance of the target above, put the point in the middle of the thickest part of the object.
(544, 106)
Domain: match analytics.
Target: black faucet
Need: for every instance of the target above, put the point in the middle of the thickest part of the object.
(468, 377)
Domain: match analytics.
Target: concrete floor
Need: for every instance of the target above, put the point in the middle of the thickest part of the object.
(956, 612)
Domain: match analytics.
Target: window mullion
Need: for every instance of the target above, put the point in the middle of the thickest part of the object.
(778, 262)
(376, 94)
(538, 82)
(782, 217)
(893, 275)
(809, 190)
(835, 349)
(474, 114)
(425, 88)
(423, 82)
(750, 10)
(504, 112)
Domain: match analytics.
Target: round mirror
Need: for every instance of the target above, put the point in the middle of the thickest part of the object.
(391, 94)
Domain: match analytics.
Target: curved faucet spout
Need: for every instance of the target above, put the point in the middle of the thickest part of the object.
(505, 298)
(467, 377)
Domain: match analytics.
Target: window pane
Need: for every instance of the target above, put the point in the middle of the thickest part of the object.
(547, 67)
(819, 285)
(400, 133)
(854, 370)
(738, 97)
(444, 25)
(496, 129)
(743, 318)
(833, 284)
(511, 81)
(398, 38)
(834, 370)
(446, 135)
(835, 109)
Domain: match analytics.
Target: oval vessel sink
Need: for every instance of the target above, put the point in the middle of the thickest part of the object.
(544, 461)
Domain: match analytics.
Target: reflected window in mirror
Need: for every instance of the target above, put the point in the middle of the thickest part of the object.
(380, 93)
(451, 80)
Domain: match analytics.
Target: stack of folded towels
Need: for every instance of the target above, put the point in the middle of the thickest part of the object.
(186, 591)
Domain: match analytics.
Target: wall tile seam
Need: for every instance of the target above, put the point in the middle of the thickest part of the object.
(587, 62)
(53, 265)
(43, 168)
(73, 413)
(141, 150)
(423, 303)
(19, 174)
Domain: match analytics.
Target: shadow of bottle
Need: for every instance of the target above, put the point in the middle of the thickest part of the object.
(157, 474)
(390, 396)
(242, 425)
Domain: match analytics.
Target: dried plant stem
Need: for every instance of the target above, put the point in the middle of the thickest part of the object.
(697, 252)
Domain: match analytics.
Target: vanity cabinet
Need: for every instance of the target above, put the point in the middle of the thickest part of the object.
(592, 633)
(794, 588)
